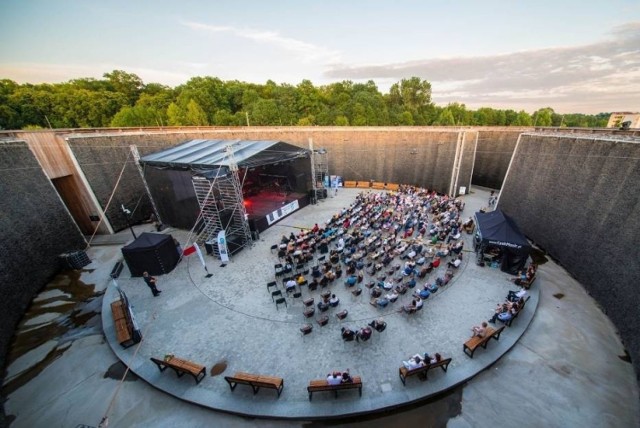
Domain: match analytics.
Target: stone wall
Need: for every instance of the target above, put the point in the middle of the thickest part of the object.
(579, 199)
(421, 156)
(494, 151)
(35, 228)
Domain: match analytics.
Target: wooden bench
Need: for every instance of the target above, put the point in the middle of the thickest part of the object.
(472, 344)
(255, 382)
(124, 332)
(421, 372)
(181, 367)
(527, 284)
(349, 184)
(319, 385)
(117, 270)
(509, 321)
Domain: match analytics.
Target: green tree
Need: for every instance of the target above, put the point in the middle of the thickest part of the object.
(264, 112)
(175, 115)
(195, 115)
(135, 116)
(523, 119)
(341, 121)
(125, 83)
(406, 118)
(445, 118)
(543, 117)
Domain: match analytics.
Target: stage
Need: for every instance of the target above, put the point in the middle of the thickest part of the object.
(267, 207)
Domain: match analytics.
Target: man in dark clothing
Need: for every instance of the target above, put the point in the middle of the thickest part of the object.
(151, 282)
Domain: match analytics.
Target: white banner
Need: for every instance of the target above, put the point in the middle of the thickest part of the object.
(200, 255)
(222, 247)
(281, 212)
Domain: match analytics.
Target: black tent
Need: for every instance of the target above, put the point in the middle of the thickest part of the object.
(497, 231)
(152, 252)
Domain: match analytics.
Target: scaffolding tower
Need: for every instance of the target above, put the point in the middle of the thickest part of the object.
(222, 208)
(319, 171)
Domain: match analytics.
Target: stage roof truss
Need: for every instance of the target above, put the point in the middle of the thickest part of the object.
(211, 154)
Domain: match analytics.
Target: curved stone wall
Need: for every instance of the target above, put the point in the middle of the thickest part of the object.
(578, 197)
(36, 227)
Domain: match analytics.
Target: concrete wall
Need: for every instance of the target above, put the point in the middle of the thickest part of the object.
(494, 151)
(579, 199)
(35, 227)
(421, 156)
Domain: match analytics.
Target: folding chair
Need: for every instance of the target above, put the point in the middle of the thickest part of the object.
(306, 329)
(271, 284)
(274, 247)
(281, 300)
(276, 293)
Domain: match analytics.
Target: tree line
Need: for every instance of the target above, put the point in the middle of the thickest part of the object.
(122, 99)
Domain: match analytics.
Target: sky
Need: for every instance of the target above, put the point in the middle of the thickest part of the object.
(576, 56)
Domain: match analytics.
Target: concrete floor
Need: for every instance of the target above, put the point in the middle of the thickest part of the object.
(566, 364)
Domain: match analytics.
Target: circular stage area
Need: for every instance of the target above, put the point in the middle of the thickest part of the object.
(231, 321)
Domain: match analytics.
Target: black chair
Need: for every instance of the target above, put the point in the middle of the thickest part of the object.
(276, 293)
(271, 284)
(297, 295)
(274, 247)
(278, 269)
(281, 300)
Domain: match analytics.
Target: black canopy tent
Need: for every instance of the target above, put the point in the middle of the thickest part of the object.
(151, 252)
(496, 229)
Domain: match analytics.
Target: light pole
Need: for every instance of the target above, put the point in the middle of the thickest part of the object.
(127, 213)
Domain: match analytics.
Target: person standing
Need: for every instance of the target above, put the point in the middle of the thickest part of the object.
(151, 282)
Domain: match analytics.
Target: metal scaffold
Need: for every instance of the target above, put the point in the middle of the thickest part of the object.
(222, 208)
(319, 171)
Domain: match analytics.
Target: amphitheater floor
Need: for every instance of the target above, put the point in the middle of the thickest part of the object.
(567, 362)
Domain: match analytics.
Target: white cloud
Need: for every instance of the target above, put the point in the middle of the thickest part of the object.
(585, 75)
(306, 52)
(51, 73)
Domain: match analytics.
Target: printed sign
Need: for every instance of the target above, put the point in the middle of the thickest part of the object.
(281, 212)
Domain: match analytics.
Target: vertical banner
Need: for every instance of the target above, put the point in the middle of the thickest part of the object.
(222, 247)
(200, 255)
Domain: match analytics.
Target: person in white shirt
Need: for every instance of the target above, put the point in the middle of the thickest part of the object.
(414, 362)
(334, 379)
(514, 296)
(455, 264)
(290, 285)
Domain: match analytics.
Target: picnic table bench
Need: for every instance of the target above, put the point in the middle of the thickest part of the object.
(421, 372)
(472, 344)
(181, 367)
(255, 382)
(319, 385)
